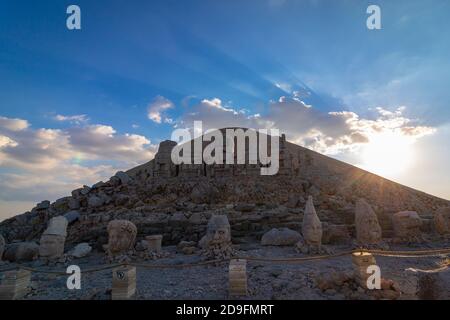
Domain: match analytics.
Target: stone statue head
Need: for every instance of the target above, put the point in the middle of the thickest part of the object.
(121, 236)
(51, 246)
(311, 227)
(218, 229)
(368, 230)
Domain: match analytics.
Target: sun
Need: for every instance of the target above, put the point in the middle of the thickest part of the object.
(388, 154)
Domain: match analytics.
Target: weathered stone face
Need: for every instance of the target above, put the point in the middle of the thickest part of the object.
(217, 241)
(407, 225)
(311, 227)
(51, 246)
(368, 230)
(218, 230)
(2, 246)
(121, 237)
(442, 221)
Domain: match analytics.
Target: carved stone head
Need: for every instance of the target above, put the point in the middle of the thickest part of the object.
(311, 227)
(51, 246)
(121, 236)
(218, 230)
(368, 230)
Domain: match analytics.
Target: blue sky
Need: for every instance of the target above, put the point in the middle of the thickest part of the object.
(245, 54)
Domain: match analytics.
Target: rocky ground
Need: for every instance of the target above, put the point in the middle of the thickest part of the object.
(320, 279)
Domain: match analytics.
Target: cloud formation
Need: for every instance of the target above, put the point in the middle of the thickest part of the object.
(156, 110)
(43, 163)
(77, 119)
(329, 133)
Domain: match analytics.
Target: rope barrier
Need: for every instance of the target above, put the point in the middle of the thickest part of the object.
(386, 253)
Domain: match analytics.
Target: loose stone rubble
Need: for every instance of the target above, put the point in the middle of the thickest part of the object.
(51, 245)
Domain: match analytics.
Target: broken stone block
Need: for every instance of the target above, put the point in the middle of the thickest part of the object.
(237, 273)
(154, 242)
(80, 250)
(123, 283)
(361, 261)
(21, 252)
(14, 284)
(442, 221)
(407, 225)
(280, 237)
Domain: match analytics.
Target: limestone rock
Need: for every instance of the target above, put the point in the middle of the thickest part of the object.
(204, 192)
(43, 205)
(121, 237)
(407, 225)
(80, 250)
(442, 221)
(72, 216)
(51, 244)
(335, 234)
(280, 237)
(57, 226)
(21, 252)
(368, 230)
(124, 178)
(95, 201)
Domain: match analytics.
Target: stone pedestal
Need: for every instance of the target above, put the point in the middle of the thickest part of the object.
(154, 243)
(361, 261)
(14, 284)
(238, 278)
(123, 283)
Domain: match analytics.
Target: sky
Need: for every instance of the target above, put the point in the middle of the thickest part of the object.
(78, 105)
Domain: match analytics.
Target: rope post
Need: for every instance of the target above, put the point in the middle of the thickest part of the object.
(238, 277)
(361, 261)
(154, 242)
(123, 283)
(14, 285)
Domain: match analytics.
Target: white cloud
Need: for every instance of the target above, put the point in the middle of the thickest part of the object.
(48, 163)
(156, 109)
(77, 119)
(13, 124)
(328, 133)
